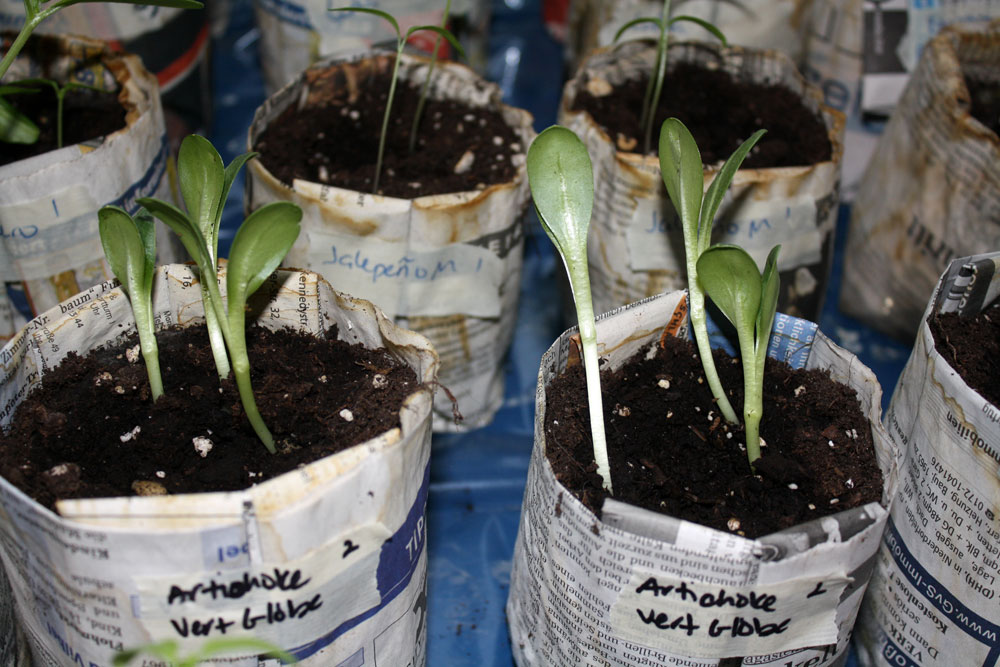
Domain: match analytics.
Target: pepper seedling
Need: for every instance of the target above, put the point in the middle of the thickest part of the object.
(561, 179)
(651, 98)
(168, 651)
(130, 247)
(260, 244)
(401, 40)
(425, 88)
(749, 300)
(14, 126)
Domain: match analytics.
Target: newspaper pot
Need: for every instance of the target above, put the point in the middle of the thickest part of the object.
(51, 248)
(447, 266)
(636, 247)
(344, 534)
(932, 189)
(173, 44)
(574, 585)
(932, 598)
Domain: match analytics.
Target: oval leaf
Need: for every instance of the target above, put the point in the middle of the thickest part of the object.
(770, 286)
(260, 244)
(731, 278)
(178, 221)
(202, 178)
(123, 248)
(682, 172)
(561, 178)
(15, 127)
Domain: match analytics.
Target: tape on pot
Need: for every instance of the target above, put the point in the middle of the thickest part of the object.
(636, 250)
(931, 192)
(337, 546)
(932, 598)
(577, 582)
(50, 248)
(447, 266)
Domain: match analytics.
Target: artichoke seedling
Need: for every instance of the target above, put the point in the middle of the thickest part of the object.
(735, 286)
(400, 45)
(260, 244)
(651, 98)
(561, 178)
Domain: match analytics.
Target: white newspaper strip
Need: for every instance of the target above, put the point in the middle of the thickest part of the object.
(461, 290)
(630, 198)
(581, 589)
(328, 561)
(933, 596)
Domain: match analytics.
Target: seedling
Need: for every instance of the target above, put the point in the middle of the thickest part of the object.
(260, 244)
(748, 300)
(562, 186)
(427, 80)
(168, 652)
(683, 176)
(400, 45)
(35, 13)
(130, 247)
(14, 125)
(651, 98)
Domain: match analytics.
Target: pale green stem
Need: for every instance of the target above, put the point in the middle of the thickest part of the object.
(427, 82)
(753, 404)
(147, 343)
(215, 334)
(661, 67)
(30, 23)
(699, 325)
(385, 118)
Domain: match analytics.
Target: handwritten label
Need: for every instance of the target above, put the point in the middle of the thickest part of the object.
(718, 621)
(32, 232)
(292, 603)
(655, 239)
(405, 280)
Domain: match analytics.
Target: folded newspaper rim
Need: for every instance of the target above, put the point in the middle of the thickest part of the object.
(49, 202)
(636, 247)
(326, 561)
(630, 589)
(447, 266)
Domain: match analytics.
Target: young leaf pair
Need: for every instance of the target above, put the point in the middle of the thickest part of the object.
(401, 40)
(260, 244)
(15, 127)
(726, 272)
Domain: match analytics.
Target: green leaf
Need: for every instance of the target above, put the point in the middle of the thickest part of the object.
(15, 127)
(180, 4)
(717, 190)
(260, 244)
(146, 226)
(376, 12)
(704, 24)
(681, 169)
(731, 278)
(633, 22)
(202, 180)
(561, 178)
(444, 32)
(770, 285)
(124, 248)
(189, 233)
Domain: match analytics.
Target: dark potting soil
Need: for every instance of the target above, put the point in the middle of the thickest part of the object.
(671, 451)
(971, 345)
(721, 112)
(92, 431)
(459, 148)
(984, 99)
(87, 114)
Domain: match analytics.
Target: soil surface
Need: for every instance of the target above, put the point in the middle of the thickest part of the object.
(87, 114)
(91, 430)
(985, 103)
(671, 451)
(721, 113)
(458, 148)
(972, 346)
